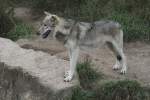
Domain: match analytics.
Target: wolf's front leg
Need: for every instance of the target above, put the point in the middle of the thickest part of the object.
(73, 54)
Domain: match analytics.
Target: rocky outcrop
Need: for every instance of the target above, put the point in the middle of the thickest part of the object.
(43, 69)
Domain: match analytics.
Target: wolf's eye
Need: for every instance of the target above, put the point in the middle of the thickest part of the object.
(66, 27)
(45, 25)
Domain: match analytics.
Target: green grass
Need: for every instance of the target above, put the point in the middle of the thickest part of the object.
(81, 94)
(90, 89)
(122, 90)
(134, 28)
(118, 90)
(87, 74)
(133, 16)
(21, 30)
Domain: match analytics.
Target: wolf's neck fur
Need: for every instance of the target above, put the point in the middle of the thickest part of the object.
(69, 26)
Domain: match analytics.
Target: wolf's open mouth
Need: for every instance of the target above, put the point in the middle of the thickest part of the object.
(45, 35)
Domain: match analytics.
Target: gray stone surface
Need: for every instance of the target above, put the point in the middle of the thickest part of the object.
(48, 69)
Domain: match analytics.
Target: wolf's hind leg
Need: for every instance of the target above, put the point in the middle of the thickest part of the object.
(121, 59)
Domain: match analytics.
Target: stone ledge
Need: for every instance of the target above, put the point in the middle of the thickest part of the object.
(47, 69)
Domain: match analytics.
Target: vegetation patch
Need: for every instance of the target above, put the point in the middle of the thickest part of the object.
(6, 22)
(21, 30)
(134, 28)
(89, 88)
(133, 16)
(87, 74)
(122, 90)
(9, 28)
(118, 90)
(81, 94)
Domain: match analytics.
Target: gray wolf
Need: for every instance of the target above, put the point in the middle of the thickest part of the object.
(78, 35)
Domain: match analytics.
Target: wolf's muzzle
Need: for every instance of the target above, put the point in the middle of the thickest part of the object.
(45, 35)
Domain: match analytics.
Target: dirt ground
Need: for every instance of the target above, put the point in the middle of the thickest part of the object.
(138, 54)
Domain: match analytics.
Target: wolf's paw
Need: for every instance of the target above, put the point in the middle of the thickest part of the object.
(116, 66)
(68, 79)
(68, 76)
(123, 71)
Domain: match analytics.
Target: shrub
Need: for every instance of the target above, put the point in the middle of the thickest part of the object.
(21, 30)
(80, 94)
(59, 6)
(87, 76)
(106, 90)
(113, 90)
(134, 27)
(6, 22)
(133, 15)
(122, 90)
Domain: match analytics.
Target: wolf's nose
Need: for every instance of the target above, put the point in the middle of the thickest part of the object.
(37, 33)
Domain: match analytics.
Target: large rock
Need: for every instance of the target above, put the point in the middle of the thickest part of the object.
(49, 70)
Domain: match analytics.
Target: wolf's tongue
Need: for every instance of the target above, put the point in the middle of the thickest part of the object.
(45, 35)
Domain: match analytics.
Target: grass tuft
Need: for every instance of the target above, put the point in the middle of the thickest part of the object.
(121, 90)
(134, 28)
(87, 75)
(113, 90)
(21, 30)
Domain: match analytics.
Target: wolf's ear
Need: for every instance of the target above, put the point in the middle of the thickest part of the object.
(46, 13)
(55, 19)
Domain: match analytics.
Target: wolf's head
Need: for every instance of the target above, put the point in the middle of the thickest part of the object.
(48, 25)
